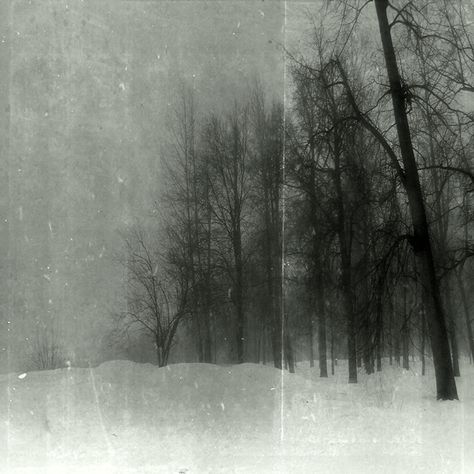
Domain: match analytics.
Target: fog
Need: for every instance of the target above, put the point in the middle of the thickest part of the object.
(87, 90)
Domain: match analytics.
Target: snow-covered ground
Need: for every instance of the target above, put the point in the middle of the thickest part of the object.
(198, 418)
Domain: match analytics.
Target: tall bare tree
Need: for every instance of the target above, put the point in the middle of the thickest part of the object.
(227, 148)
(267, 127)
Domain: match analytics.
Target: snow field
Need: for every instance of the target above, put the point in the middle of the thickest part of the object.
(125, 417)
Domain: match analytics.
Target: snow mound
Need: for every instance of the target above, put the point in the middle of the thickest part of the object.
(193, 418)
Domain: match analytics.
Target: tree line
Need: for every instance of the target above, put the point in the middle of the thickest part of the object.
(339, 218)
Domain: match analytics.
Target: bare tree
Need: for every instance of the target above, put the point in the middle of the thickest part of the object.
(451, 39)
(446, 386)
(187, 212)
(306, 175)
(157, 292)
(227, 149)
(268, 165)
(47, 352)
(326, 155)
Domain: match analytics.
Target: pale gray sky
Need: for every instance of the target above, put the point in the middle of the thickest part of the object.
(86, 89)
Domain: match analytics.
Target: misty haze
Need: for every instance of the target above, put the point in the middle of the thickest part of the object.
(237, 236)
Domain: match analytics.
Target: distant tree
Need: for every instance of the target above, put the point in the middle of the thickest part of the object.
(47, 352)
(328, 169)
(226, 147)
(156, 294)
(185, 207)
(311, 229)
(267, 164)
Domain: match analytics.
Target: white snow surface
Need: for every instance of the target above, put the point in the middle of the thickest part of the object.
(126, 417)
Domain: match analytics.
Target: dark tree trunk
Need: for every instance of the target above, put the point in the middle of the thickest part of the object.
(269, 145)
(317, 269)
(454, 347)
(405, 348)
(467, 317)
(207, 343)
(379, 357)
(367, 346)
(322, 350)
(379, 333)
(264, 345)
(239, 336)
(367, 350)
(277, 346)
(396, 346)
(239, 279)
(278, 329)
(208, 273)
(444, 374)
(159, 352)
(405, 332)
(452, 332)
(379, 337)
(390, 330)
(271, 241)
(346, 272)
(332, 347)
(289, 357)
(351, 339)
(351, 336)
(423, 344)
(192, 219)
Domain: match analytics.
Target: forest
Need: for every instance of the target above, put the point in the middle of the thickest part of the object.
(237, 236)
(332, 223)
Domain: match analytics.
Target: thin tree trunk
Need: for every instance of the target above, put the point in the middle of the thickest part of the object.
(239, 282)
(332, 350)
(239, 336)
(317, 269)
(190, 187)
(423, 339)
(379, 337)
(367, 345)
(208, 291)
(159, 358)
(310, 339)
(258, 344)
(390, 330)
(272, 295)
(277, 329)
(405, 332)
(367, 349)
(396, 345)
(405, 348)
(454, 347)
(322, 350)
(379, 357)
(467, 317)
(351, 339)
(452, 332)
(289, 353)
(346, 270)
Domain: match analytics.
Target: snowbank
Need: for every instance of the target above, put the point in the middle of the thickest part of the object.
(193, 418)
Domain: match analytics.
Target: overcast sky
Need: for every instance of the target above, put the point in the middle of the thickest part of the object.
(86, 88)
